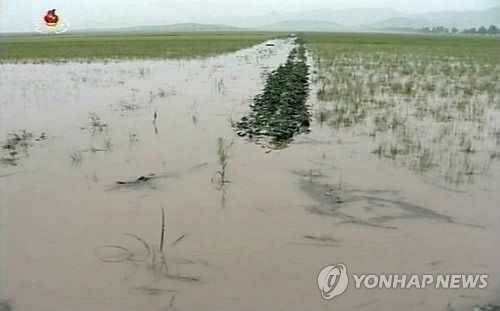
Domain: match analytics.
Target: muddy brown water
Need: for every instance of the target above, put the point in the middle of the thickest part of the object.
(258, 243)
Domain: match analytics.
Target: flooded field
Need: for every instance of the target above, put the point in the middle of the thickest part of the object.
(125, 186)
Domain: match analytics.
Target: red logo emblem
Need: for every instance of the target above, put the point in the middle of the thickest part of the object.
(51, 18)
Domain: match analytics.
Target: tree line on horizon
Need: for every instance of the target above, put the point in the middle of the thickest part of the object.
(492, 30)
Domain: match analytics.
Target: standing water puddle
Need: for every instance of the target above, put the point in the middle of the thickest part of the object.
(245, 227)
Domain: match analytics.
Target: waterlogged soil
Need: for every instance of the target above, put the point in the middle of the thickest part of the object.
(81, 209)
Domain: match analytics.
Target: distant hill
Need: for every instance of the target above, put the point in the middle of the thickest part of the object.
(373, 19)
(401, 22)
(183, 27)
(317, 19)
(465, 19)
(194, 27)
(301, 25)
(346, 17)
(351, 17)
(331, 20)
(460, 20)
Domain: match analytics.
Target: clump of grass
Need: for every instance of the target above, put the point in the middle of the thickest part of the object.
(16, 140)
(76, 157)
(152, 97)
(133, 138)
(97, 125)
(171, 303)
(322, 116)
(467, 145)
(155, 258)
(125, 105)
(95, 149)
(95, 178)
(142, 72)
(220, 85)
(6, 305)
(16, 143)
(494, 155)
(155, 116)
(107, 144)
(223, 159)
(487, 308)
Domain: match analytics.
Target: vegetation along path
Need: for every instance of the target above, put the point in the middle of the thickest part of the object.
(280, 111)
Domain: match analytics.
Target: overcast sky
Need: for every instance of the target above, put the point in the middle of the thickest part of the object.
(18, 15)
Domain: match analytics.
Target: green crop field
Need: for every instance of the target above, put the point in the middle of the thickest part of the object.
(466, 47)
(124, 45)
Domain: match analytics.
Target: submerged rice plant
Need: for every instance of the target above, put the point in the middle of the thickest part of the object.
(429, 104)
(152, 256)
(223, 160)
(16, 145)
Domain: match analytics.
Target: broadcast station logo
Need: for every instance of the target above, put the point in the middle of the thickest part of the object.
(51, 23)
(333, 281)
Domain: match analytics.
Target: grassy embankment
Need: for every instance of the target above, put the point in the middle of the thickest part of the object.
(280, 111)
